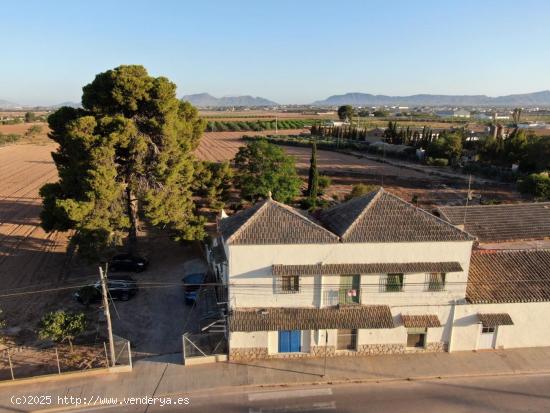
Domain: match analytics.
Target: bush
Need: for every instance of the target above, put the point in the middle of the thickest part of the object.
(360, 190)
(437, 161)
(537, 185)
(324, 183)
(62, 326)
(10, 138)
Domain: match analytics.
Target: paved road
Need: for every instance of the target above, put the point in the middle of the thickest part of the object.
(502, 394)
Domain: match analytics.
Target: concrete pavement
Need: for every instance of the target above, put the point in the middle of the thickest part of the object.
(166, 376)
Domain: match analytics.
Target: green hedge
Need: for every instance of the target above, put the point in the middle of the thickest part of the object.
(257, 125)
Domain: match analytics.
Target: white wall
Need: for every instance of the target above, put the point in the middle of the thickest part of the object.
(531, 325)
(256, 339)
(252, 282)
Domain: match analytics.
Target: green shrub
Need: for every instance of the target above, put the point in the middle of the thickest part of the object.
(537, 185)
(62, 326)
(10, 138)
(360, 190)
(437, 161)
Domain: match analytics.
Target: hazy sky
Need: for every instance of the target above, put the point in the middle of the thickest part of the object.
(288, 51)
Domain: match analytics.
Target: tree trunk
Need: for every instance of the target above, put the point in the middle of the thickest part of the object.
(131, 204)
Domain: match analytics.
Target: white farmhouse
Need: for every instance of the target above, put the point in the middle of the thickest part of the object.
(373, 275)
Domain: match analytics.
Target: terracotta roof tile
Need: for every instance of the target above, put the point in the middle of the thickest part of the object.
(383, 217)
(509, 276)
(270, 222)
(420, 321)
(502, 222)
(495, 319)
(276, 319)
(371, 268)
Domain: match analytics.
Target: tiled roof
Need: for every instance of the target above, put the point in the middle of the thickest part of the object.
(495, 319)
(270, 222)
(383, 217)
(420, 321)
(509, 276)
(372, 268)
(502, 222)
(275, 319)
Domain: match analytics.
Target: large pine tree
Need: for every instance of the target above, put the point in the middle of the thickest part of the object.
(126, 155)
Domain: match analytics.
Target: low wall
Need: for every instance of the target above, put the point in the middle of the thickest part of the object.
(261, 353)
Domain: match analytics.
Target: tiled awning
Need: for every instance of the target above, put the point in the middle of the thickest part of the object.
(420, 321)
(345, 317)
(495, 319)
(371, 268)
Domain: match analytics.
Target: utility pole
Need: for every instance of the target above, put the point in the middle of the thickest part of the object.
(326, 350)
(103, 277)
(276, 129)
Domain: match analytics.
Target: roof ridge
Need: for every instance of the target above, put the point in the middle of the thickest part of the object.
(374, 199)
(429, 215)
(508, 250)
(306, 218)
(248, 221)
(493, 205)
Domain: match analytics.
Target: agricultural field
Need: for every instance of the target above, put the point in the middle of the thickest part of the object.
(264, 115)
(347, 170)
(28, 255)
(36, 132)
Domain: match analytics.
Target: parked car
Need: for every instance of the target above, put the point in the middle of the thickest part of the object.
(120, 288)
(128, 262)
(192, 284)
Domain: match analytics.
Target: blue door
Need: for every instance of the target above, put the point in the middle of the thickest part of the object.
(289, 341)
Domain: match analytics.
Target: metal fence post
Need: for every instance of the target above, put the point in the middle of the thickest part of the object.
(11, 366)
(106, 356)
(183, 343)
(57, 357)
(129, 353)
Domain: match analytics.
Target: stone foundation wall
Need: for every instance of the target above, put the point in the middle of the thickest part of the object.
(255, 353)
(246, 354)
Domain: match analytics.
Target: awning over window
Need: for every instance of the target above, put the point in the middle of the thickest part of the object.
(341, 317)
(495, 319)
(371, 268)
(420, 321)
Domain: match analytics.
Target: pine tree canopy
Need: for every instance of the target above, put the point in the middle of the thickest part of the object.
(125, 156)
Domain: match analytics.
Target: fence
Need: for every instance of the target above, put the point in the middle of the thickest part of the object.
(205, 344)
(23, 361)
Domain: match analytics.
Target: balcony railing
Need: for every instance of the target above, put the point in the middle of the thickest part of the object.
(342, 296)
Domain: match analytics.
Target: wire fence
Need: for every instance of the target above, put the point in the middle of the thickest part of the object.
(19, 362)
(204, 344)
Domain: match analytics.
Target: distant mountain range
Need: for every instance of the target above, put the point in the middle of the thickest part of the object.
(6, 104)
(366, 99)
(204, 100)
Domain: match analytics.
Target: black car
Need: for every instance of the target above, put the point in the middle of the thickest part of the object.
(120, 288)
(192, 284)
(128, 262)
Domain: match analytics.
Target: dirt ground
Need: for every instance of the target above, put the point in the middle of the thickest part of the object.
(31, 259)
(28, 255)
(156, 318)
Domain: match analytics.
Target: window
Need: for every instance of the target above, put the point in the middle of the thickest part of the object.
(350, 291)
(436, 281)
(290, 341)
(288, 284)
(416, 337)
(394, 282)
(487, 330)
(346, 340)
